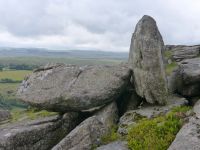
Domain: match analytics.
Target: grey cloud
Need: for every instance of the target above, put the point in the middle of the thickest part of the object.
(107, 24)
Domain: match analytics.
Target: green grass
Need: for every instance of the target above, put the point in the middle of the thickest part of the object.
(16, 75)
(8, 90)
(170, 68)
(30, 114)
(157, 133)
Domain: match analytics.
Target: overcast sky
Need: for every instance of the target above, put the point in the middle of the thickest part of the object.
(94, 24)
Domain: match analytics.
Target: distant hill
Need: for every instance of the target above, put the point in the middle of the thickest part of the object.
(37, 52)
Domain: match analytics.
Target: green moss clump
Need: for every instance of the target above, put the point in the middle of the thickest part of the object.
(31, 114)
(168, 54)
(157, 133)
(170, 68)
(111, 136)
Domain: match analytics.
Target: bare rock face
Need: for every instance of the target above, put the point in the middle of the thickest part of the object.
(196, 109)
(187, 78)
(41, 133)
(145, 59)
(90, 131)
(188, 137)
(181, 52)
(60, 87)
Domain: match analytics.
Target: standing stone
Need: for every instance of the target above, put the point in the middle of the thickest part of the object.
(145, 59)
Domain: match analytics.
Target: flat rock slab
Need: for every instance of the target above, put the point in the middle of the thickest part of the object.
(60, 87)
(181, 52)
(117, 145)
(41, 133)
(188, 138)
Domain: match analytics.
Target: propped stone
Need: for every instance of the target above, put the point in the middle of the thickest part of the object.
(90, 131)
(146, 61)
(71, 88)
(40, 134)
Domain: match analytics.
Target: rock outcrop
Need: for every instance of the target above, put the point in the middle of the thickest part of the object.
(40, 134)
(146, 61)
(181, 52)
(89, 132)
(188, 137)
(187, 77)
(4, 115)
(95, 97)
(71, 88)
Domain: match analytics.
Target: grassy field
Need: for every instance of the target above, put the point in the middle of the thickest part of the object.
(67, 60)
(8, 90)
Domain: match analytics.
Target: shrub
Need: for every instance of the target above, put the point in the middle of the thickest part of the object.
(157, 133)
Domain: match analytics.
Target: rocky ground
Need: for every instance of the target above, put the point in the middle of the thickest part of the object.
(145, 104)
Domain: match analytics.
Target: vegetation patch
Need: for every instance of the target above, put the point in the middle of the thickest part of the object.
(170, 68)
(7, 96)
(15, 75)
(168, 54)
(6, 80)
(111, 136)
(31, 114)
(9, 82)
(157, 133)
